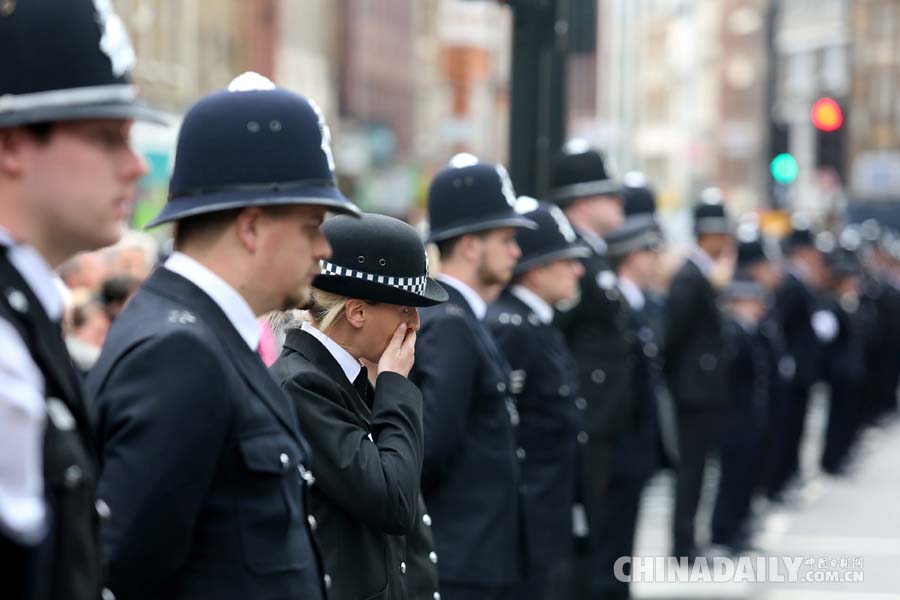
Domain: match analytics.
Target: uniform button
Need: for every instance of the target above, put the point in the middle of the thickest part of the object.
(598, 376)
(312, 522)
(580, 403)
(73, 476)
(432, 556)
(501, 387)
(564, 390)
(403, 568)
(426, 518)
(708, 362)
(582, 437)
(503, 318)
(520, 453)
(306, 475)
(327, 579)
(650, 350)
(102, 509)
(17, 300)
(106, 594)
(516, 319)
(437, 596)
(284, 459)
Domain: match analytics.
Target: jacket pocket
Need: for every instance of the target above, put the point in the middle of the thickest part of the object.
(273, 513)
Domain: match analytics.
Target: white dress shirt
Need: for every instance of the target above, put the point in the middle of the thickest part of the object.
(476, 302)
(23, 407)
(349, 365)
(538, 305)
(236, 309)
(633, 294)
(704, 261)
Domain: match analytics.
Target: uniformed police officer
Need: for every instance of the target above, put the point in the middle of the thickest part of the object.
(650, 442)
(597, 331)
(746, 366)
(202, 459)
(795, 301)
(67, 175)
(521, 320)
(470, 476)
(693, 362)
(367, 440)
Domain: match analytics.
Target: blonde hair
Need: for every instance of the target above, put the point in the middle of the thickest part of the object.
(325, 308)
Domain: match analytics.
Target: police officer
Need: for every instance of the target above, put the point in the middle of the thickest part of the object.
(795, 301)
(367, 440)
(521, 320)
(759, 260)
(470, 476)
(747, 372)
(650, 442)
(693, 362)
(597, 331)
(202, 461)
(67, 173)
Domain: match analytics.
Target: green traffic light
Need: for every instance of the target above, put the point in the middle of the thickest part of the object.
(784, 168)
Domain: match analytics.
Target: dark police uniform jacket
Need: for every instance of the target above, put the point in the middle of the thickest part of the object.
(548, 406)
(368, 460)
(202, 461)
(794, 307)
(67, 563)
(694, 342)
(602, 342)
(470, 473)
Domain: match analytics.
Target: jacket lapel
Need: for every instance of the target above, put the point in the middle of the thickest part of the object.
(247, 362)
(318, 355)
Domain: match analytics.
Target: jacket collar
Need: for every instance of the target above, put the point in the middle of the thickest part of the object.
(249, 364)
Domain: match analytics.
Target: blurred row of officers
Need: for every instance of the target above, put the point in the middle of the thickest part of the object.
(485, 433)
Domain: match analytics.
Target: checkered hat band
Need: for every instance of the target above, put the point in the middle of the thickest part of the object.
(416, 285)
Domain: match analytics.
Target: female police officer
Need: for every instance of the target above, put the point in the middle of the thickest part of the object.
(367, 442)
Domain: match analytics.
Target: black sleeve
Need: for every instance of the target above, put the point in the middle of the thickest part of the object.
(376, 480)
(162, 426)
(680, 319)
(447, 359)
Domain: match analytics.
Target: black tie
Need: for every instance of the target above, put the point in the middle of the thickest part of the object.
(361, 383)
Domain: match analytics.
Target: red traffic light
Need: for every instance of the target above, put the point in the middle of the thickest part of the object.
(827, 115)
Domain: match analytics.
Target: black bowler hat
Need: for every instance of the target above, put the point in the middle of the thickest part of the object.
(377, 258)
(638, 196)
(709, 214)
(636, 233)
(580, 172)
(252, 144)
(468, 196)
(752, 247)
(554, 239)
(64, 60)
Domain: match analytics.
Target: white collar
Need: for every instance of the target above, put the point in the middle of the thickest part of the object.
(538, 305)
(476, 302)
(703, 261)
(597, 243)
(229, 300)
(349, 365)
(632, 293)
(36, 273)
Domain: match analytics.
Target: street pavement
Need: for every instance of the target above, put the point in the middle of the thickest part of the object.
(845, 528)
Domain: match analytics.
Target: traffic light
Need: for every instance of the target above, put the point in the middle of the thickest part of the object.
(828, 119)
(784, 168)
(826, 115)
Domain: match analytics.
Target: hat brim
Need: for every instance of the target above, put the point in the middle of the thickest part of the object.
(188, 206)
(353, 287)
(112, 110)
(573, 251)
(482, 225)
(576, 191)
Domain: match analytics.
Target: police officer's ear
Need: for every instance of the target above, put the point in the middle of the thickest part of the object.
(12, 144)
(355, 312)
(249, 225)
